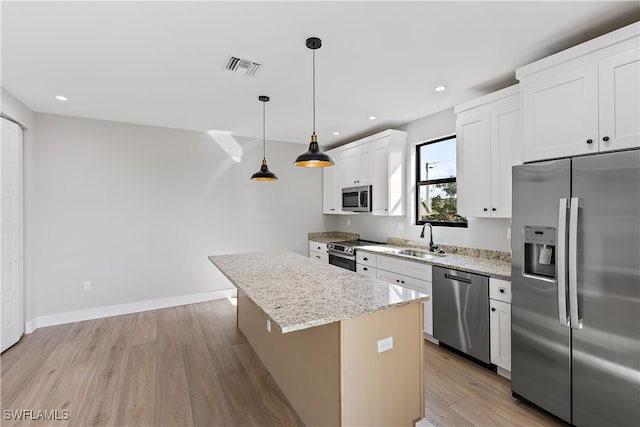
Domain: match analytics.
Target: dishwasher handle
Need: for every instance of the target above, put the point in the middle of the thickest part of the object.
(456, 278)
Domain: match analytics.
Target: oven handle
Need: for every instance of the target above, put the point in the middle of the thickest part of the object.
(341, 255)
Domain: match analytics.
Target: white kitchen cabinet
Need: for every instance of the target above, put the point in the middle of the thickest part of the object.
(357, 166)
(500, 333)
(366, 264)
(389, 158)
(332, 179)
(319, 251)
(500, 325)
(377, 160)
(488, 144)
(412, 275)
(583, 100)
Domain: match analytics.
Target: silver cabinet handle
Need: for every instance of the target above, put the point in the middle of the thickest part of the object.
(576, 322)
(561, 262)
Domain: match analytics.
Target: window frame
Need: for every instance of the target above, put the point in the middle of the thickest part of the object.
(419, 184)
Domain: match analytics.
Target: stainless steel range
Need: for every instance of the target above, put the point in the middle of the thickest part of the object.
(343, 254)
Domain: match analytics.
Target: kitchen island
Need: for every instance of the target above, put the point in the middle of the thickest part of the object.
(319, 330)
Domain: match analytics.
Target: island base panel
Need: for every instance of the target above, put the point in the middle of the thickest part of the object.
(305, 364)
(333, 375)
(383, 389)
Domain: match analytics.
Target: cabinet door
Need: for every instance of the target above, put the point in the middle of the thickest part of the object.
(364, 155)
(619, 88)
(380, 204)
(500, 330)
(560, 114)
(473, 148)
(329, 190)
(351, 167)
(389, 263)
(367, 270)
(506, 151)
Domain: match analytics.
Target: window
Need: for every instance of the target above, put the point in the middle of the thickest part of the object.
(436, 192)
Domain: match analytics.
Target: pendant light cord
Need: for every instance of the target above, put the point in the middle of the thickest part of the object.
(264, 149)
(314, 91)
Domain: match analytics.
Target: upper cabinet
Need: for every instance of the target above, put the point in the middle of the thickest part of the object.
(358, 168)
(488, 144)
(583, 100)
(332, 182)
(377, 160)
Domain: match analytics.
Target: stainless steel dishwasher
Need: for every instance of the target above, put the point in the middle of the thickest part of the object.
(461, 311)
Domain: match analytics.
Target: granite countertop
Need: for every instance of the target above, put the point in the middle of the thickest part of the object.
(496, 267)
(332, 236)
(297, 292)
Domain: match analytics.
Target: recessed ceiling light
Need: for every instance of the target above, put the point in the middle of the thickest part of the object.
(336, 133)
(61, 98)
(372, 117)
(440, 88)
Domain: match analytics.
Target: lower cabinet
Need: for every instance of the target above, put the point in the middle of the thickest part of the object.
(412, 275)
(318, 251)
(500, 325)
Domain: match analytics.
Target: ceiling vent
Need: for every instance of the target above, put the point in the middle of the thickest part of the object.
(240, 65)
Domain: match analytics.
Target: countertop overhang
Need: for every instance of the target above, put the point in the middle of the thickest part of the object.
(296, 292)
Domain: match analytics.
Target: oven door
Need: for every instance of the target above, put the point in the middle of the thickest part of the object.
(343, 261)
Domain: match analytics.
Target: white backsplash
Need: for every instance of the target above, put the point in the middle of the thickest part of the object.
(482, 233)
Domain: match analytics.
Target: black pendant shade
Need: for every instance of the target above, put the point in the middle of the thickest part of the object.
(314, 158)
(264, 174)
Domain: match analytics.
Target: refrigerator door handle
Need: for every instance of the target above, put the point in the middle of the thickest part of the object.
(576, 322)
(561, 263)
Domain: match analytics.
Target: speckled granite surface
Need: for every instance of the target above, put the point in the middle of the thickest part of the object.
(496, 267)
(297, 292)
(332, 236)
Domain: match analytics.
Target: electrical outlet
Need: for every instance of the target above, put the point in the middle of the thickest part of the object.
(401, 226)
(348, 223)
(509, 233)
(268, 325)
(385, 344)
(86, 286)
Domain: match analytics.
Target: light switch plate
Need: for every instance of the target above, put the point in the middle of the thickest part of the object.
(268, 325)
(385, 344)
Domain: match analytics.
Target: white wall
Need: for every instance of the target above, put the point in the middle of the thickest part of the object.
(136, 210)
(481, 233)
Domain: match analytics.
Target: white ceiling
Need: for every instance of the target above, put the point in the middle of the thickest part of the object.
(161, 63)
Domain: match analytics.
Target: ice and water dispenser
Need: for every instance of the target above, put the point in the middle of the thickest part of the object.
(540, 252)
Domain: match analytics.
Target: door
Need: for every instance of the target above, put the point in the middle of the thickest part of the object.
(560, 114)
(620, 101)
(540, 344)
(11, 256)
(606, 359)
(381, 179)
(474, 164)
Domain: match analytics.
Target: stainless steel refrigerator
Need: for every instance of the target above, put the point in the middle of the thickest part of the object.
(576, 288)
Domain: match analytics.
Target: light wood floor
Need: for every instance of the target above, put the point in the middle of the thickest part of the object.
(190, 366)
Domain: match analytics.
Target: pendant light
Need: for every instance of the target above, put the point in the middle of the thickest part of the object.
(314, 158)
(264, 174)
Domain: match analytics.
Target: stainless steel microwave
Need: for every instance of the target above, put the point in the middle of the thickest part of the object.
(356, 199)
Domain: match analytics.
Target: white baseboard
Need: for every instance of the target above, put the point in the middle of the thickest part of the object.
(117, 310)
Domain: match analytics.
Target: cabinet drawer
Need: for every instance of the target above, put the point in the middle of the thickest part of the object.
(417, 269)
(366, 258)
(317, 247)
(324, 258)
(500, 290)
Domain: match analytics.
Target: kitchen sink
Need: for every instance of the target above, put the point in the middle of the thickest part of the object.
(420, 254)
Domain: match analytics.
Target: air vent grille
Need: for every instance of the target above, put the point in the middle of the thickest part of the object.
(240, 65)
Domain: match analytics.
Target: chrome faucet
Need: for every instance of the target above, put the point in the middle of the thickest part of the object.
(432, 246)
